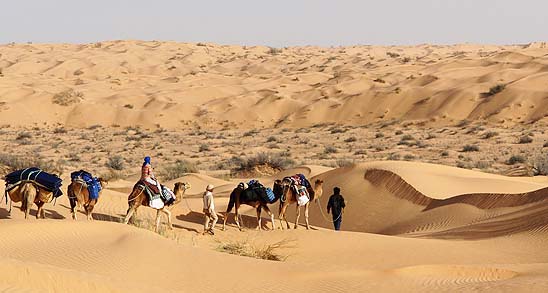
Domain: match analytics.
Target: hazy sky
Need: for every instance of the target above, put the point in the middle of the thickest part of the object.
(276, 22)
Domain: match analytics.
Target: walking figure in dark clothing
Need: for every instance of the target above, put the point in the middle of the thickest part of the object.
(336, 205)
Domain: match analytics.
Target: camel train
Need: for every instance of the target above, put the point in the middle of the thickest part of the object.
(284, 191)
(33, 186)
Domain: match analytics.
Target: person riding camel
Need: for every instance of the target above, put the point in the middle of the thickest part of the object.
(147, 174)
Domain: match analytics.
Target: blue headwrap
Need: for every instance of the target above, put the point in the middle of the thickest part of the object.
(147, 161)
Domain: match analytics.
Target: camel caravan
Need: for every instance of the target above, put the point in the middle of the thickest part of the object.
(34, 186)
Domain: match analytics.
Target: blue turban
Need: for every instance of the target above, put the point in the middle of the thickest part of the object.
(147, 161)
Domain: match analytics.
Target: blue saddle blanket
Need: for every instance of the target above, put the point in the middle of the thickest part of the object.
(93, 184)
(50, 182)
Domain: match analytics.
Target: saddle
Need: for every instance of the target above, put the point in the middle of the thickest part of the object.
(153, 193)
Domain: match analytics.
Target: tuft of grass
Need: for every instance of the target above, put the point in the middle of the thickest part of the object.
(516, 159)
(351, 139)
(495, 90)
(470, 148)
(178, 169)
(489, 134)
(116, 163)
(245, 248)
(271, 139)
(204, 148)
(540, 165)
(525, 139)
(330, 150)
(67, 98)
(23, 136)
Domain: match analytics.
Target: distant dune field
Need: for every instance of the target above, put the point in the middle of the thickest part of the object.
(176, 84)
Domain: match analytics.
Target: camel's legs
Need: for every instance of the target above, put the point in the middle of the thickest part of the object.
(40, 213)
(89, 210)
(237, 217)
(306, 215)
(130, 212)
(298, 216)
(157, 225)
(271, 216)
(168, 215)
(282, 215)
(224, 221)
(259, 227)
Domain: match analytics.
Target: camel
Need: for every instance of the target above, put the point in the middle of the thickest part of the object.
(27, 193)
(138, 198)
(288, 196)
(240, 196)
(78, 195)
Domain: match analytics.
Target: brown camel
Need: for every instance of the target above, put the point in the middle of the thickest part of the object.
(27, 193)
(240, 196)
(78, 195)
(288, 196)
(138, 198)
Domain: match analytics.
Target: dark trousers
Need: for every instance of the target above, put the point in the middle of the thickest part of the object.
(337, 219)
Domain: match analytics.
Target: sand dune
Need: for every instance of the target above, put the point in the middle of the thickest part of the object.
(170, 84)
(487, 241)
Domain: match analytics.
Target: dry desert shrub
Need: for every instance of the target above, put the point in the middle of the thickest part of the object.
(540, 165)
(116, 163)
(252, 164)
(67, 98)
(495, 90)
(245, 248)
(516, 159)
(470, 148)
(178, 169)
(14, 163)
(525, 139)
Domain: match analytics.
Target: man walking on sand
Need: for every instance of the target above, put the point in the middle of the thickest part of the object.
(336, 205)
(209, 210)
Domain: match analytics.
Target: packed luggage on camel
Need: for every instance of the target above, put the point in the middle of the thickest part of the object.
(296, 189)
(149, 192)
(253, 194)
(84, 191)
(32, 185)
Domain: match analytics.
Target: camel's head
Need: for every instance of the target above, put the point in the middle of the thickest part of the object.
(103, 182)
(181, 187)
(280, 187)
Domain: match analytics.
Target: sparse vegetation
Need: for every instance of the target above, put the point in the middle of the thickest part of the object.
(525, 139)
(516, 159)
(178, 169)
(246, 248)
(330, 150)
(470, 148)
(116, 163)
(489, 134)
(351, 139)
(67, 98)
(204, 148)
(23, 136)
(495, 90)
(540, 165)
(261, 162)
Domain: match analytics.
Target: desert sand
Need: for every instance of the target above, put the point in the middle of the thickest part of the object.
(391, 126)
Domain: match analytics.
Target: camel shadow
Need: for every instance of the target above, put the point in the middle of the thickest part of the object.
(247, 222)
(4, 214)
(107, 217)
